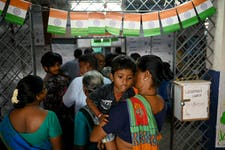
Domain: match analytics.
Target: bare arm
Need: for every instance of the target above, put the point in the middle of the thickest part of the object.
(98, 133)
(56, 143)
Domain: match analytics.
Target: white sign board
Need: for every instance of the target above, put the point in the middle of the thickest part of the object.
(191, 100)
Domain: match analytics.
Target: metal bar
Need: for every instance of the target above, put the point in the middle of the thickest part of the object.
(32, 44)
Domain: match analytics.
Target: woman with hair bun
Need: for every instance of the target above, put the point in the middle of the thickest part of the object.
(28, 126)
(137, 121)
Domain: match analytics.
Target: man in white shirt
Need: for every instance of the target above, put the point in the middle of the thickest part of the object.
(74, 94)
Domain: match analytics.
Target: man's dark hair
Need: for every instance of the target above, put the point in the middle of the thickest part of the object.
(108, 59)
(118, 50)
(135, 56)
(88, 51)
(91, 59)
(50, 59)
(77, 53)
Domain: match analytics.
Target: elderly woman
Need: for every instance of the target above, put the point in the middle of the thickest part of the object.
(137, 121)
(28, 126)
(85, 119)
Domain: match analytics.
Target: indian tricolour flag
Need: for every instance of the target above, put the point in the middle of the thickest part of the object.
(96, 23)
(57, 21)
(2, 5)
(187, 14)
(150, 24)
(113, 22)
(79, 23)
(16, 12)
(131, 24)
(204, 8)
(169, 20)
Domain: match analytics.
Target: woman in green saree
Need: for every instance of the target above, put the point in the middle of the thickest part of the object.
(28, 126)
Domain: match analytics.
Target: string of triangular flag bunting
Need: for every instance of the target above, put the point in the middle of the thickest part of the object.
(89, 23)
(16, 11)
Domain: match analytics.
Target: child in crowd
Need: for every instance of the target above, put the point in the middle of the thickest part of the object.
(56, 83)
(138, 120)
(102, 99)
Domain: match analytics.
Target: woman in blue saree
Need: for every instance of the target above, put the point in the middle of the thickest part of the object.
(28, 126)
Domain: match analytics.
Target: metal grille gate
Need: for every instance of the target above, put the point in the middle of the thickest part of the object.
(190, 57)
(15, 59)
(191, 61)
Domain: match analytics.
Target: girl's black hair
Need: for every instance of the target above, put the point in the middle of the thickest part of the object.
(159, 70)
(50, 59)
(28, 88)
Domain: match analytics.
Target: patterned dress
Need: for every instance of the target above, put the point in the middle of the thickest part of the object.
(57, 86)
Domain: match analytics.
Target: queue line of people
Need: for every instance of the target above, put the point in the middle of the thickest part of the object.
(107, 110)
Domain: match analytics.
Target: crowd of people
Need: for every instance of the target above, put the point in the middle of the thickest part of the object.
(91, 102)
